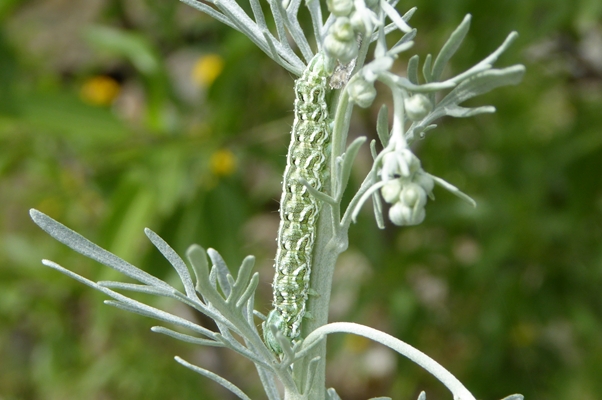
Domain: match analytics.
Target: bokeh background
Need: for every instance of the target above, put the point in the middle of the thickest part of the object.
(116, 115)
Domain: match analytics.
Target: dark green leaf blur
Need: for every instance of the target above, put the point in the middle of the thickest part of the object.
(118, 115)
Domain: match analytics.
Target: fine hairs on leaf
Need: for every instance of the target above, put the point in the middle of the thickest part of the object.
(336, 69)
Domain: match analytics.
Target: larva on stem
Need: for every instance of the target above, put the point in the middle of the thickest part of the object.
(306, 159)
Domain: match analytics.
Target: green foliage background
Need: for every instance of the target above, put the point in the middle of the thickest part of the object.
(507, 295)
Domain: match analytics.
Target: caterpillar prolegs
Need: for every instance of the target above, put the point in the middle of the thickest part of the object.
(299, 210)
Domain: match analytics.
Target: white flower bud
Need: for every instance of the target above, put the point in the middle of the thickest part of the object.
(360, 24)
(425, 180)
(361, 92)
(342, 30)
(413, 195)
(340, 50)
(340, 8)
(418, 216)
(411, 161)
(390, 168)
(391, 190)
(401, 215)
(417, 107)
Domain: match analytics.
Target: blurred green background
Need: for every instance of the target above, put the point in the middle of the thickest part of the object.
(116, 115)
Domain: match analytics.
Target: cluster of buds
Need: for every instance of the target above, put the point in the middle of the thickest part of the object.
(406, 187)
(352, 18)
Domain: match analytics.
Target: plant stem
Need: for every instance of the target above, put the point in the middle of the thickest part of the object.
(444, 376)
(327, 249)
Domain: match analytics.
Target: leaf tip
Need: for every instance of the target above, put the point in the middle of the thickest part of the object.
(195, 248)
(36, 215)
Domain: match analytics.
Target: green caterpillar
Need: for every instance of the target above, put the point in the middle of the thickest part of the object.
(306, 158)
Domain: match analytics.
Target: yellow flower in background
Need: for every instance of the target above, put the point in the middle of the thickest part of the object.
(100, 90)
(223, 162)
(206, 69)
(356, 344)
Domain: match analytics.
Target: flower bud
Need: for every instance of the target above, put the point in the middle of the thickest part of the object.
(390, 191)
(359, 24)
(344, 51)
(401, 215)
(342, 29)
(413, 195)
(411, 161)
(418, 216)
(340, 8)
(425, 180)
(417, 107)
(361, 92)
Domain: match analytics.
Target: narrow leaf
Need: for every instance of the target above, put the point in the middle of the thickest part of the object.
(212, 12)
(186, 338)
(409, 14)
(464, 112)
(483, 83)
(348, 159)
(222, 271)
(450, 47)
(136, 288)
(198, 260)
(424, 88)
(316, 193)
(382, 125)
(378, 210)
(399, 47)
(373, 151)
(242, 280)
(311, 373)
(413, 69)
(405, 39)
(214, 377)
(426, 69)
(332, 394)
(85, 247)
(454, 190)
(249, 291)
(135, 306)
(175, 260)
(394, 16)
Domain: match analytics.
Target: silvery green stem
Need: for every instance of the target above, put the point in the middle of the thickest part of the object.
(444, 376)
(329, 245)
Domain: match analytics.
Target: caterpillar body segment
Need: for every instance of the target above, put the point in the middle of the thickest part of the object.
(307, 158)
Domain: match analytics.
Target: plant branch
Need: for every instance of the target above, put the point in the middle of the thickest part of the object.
(444, 376)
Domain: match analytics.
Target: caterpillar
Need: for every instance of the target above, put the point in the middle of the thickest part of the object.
(306, 158)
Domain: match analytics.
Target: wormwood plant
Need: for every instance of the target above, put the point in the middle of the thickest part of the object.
(352, 51)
